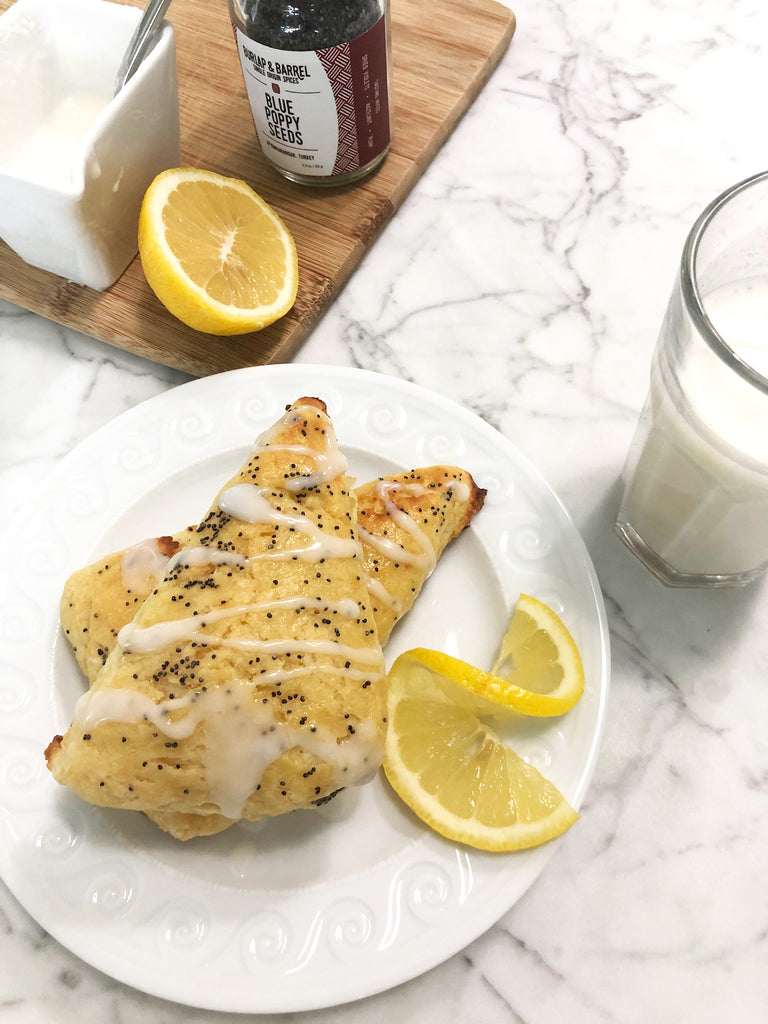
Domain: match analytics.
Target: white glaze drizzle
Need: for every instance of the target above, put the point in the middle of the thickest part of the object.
(143, 566)
(460, 488)
(331, 463)
(387, 490)
(282, 675)
(200, 554)
(425, 558)
(144, 639)
(249, 503)
(379, 592)
(242, 736)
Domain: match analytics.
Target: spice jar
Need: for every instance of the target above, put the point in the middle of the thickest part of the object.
(317, 76)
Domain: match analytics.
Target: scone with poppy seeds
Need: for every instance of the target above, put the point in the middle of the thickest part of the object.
(405, 522)
(251, 680)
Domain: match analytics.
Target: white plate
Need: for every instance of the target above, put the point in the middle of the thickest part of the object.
(315, 908)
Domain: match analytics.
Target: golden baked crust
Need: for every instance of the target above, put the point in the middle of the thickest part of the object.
(251, 679)
(405, 522)
(99, 599)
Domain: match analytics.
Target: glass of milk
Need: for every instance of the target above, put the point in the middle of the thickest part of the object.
(75, 160)
(695, 504)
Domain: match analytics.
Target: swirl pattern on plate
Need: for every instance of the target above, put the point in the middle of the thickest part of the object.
(183, 927)
(266, 940)
(112, 892)
(57, 841)
(350, 927)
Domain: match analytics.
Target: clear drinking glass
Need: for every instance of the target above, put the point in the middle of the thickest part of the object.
(695, 504)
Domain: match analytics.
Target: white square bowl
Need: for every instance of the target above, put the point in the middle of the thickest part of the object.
(71, 186)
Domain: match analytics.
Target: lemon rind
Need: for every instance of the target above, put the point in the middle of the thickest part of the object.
(496, 689)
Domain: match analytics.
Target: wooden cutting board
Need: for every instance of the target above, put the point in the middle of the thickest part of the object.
(443, 52)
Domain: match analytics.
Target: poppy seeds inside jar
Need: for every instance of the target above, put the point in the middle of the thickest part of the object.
(313, 25)
(317, 75)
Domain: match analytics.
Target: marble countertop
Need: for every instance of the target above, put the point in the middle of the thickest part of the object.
(526, 277)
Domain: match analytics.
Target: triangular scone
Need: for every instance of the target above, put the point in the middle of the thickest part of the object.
(251, 681)
(99, 599)
(405, 523)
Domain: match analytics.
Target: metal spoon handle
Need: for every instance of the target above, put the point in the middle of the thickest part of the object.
(140, 41)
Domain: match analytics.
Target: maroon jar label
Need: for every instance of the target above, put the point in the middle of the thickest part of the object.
(320, 112)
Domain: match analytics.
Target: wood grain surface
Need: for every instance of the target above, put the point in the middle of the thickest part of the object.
(443, 52)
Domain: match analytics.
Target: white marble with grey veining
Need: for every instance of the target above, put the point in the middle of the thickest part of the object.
(526, 277)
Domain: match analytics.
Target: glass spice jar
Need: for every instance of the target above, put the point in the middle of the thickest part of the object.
(317, 73)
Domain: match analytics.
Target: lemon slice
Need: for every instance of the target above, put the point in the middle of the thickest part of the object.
(215, 253)
(538, 670)
(539, 658)
(453, 770)
(448, 763)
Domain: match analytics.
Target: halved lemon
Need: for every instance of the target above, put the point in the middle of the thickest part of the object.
(215, 253)
(450, 765)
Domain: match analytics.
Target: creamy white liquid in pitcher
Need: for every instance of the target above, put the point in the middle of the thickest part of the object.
(48, 152)
(699, 496)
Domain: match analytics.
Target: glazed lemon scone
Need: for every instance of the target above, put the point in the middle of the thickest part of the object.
(251, 680)
(101, 598)
(404, 522)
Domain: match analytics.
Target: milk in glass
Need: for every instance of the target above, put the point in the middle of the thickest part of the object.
(698, 496)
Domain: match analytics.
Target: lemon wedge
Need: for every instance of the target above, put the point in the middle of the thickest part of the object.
(215, 253)
(538, 670)
(450, 765)
(455, 772)
(539, 660)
